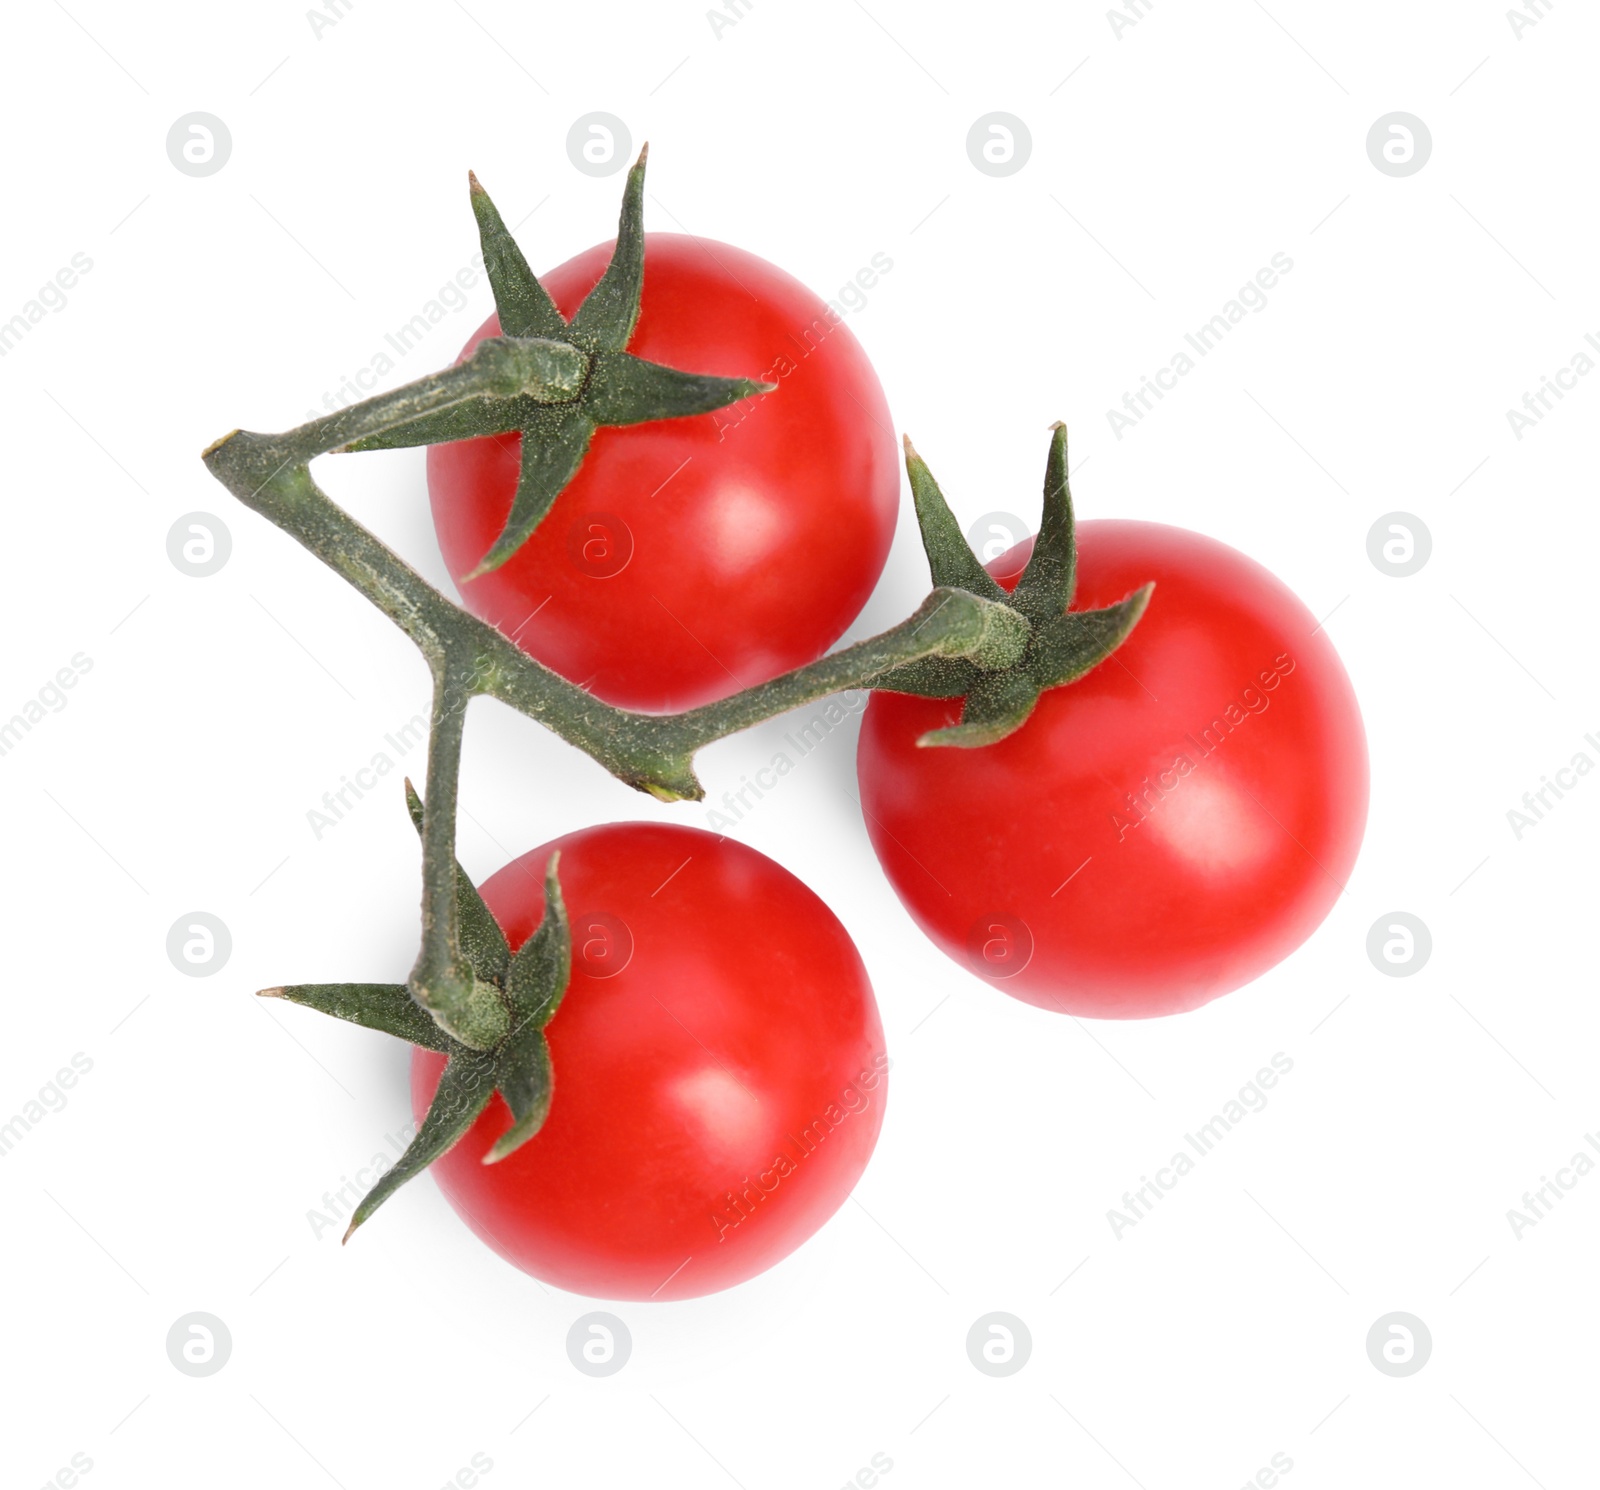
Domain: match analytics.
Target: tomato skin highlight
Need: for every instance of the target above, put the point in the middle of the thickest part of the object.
(719, 1019)
(1158, 833)
(748, 538)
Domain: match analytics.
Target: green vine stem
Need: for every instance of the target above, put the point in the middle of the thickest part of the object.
(654, 752)
(984, 638)
(271, 475)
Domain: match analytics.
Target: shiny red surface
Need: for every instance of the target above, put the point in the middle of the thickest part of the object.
(740, 1031)
(757, 531)
(1028, 860)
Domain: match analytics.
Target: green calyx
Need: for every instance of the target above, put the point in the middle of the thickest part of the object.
(575, 376)
(495, 1039)
(1046, 644)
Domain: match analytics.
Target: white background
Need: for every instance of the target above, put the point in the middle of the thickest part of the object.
(1174, 160)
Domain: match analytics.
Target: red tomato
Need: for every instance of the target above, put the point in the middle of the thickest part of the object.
(690, 558)
(720, 1071)
(1159, 832)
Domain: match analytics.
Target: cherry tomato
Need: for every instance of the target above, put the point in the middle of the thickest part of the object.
(1161, 831)
(720, 1071)
(690, 558)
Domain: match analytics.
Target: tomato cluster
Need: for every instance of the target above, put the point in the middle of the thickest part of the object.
(654, 1065)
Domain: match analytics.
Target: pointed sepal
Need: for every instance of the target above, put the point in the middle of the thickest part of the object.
(541, 969)
(554, 442)
(950, 557)
(378, 1006)
(611, 308)
(1066, 648)
(483, 943)
(524, 307)
(998, 705)
(464, 1090)
(1045, 589)
(536, 983)
(526, 1080)
(629, 390)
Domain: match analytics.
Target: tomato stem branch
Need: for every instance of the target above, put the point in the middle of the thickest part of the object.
(442, 982)
(271, 475)
(655, 753)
